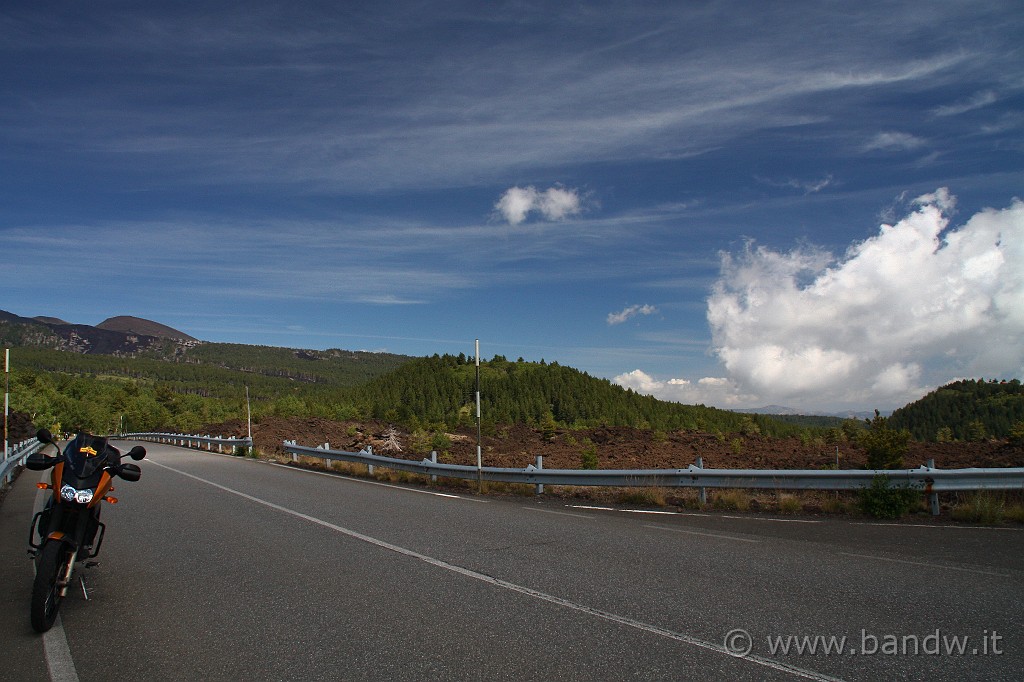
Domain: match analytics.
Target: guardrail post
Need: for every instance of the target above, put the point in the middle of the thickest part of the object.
(433, 459)
(933, 498)
(702, 492)
(540, 465)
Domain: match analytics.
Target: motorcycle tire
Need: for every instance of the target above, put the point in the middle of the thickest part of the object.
(46, 597)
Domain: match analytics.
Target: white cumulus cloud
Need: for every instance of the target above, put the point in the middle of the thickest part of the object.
(554, 203)
(918, 304)
(631, 311)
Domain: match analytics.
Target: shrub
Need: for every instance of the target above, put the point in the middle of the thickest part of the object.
(588, 455)
(882, 501)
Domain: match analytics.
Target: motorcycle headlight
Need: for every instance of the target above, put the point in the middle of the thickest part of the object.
(70, 494)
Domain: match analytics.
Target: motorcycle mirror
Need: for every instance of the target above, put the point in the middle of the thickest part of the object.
(137, 453)
(44, 436)
(130, 472)
(39, 462)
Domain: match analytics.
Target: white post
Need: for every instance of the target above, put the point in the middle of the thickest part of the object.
(479, 456)
(7, 399)
(248, 412)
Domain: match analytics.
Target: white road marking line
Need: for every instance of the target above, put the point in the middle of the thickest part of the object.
(55, 641)
(560, 513)
(934, 525)
(58, 654)
(697, 532)
(383, 485)
(924, 563)
(536, 594)
(669, 513)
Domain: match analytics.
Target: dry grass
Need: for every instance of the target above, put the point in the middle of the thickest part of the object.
(789, 504)
(981, 507)
(646, 496)
(731, 500)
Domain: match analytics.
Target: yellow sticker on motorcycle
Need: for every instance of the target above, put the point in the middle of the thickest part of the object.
(87, 450)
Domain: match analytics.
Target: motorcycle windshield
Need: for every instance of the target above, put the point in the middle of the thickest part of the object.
(87, 454)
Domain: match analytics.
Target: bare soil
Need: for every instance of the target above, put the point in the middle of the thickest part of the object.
(617, 447)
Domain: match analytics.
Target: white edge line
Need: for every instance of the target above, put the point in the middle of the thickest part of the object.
(58, 654)
(932, 525)
(56, 651)
(543, 596)
(560, 513)
(383, 485)
(926, 564)
(697, 532)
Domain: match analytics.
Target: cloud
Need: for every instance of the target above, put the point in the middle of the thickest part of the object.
(891, 141)
(717, 391)
(806, 186)
(631, 311)
(554, 203)
(917, 302)
(916, 305)
(979, 100)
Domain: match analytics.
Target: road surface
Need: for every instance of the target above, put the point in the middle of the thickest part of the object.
(221, 568)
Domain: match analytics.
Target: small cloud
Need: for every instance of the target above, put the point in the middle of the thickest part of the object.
(891, 141)
(631, 311)
(554, 203)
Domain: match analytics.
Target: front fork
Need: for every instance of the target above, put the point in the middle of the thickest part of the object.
(57, 513)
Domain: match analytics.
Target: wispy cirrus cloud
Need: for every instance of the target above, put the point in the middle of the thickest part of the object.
(893, 141)
(977, 101)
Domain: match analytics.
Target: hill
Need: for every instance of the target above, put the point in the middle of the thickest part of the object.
(51, 332)
(970, 410)
(137, 325)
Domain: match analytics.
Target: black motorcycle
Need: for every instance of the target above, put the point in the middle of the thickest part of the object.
(69, 526)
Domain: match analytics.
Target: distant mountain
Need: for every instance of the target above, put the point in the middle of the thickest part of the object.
(781, 410)
(56, 334)
(137, 325)
(769, 409)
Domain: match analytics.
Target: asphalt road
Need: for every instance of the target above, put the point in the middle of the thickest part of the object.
(219, 568)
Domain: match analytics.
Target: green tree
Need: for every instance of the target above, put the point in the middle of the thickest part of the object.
(885, 447)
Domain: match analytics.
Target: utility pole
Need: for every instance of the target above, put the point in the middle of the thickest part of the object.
(479, 456)
(248, 412)
(7, 396)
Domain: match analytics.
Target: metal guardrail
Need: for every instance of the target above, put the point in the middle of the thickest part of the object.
(927, 479)
(16, 457)
(189, 441)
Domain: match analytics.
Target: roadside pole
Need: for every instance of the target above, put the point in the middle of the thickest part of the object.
(7, 397)
(479, 455)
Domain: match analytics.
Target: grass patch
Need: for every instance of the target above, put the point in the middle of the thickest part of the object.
(981, 507)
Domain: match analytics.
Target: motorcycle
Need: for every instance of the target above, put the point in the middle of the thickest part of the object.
(69, 526)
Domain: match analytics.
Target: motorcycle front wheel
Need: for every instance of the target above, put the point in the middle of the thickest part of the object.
(46, 593)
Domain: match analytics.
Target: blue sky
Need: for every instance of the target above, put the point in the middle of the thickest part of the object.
(812, 204)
